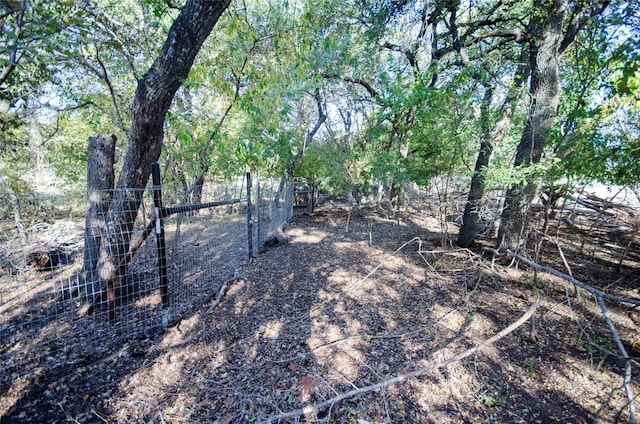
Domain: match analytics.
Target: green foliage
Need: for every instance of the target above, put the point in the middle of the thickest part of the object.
(598, 136)
(426, 132)
(332, 168)
(15, 164)
(12, 129)
(249, 100)
(66, 152)
(490, 400)
(38, 39)
(442, 135)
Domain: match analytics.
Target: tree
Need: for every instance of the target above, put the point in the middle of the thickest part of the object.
(30, 32)
(154, 94)
(553, 26)
(492, 131)
(597, 133)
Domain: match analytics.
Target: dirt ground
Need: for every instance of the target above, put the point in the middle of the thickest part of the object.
(354, 299)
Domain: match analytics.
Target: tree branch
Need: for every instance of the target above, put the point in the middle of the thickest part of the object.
(410, 54)
(627, 360)
(578, 20)
(515, 34)
(322, 116)
(13, 56)
(314, 409)
(364, 84)
(112, 92)
(573, 281)
(605, 313)
(172, 5)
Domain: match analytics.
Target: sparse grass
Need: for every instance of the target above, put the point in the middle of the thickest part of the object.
(530, 367)
(490, 400)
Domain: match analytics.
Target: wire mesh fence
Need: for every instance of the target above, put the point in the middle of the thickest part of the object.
(51, 312)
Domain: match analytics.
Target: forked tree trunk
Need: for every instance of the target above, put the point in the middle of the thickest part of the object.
(100, 180)
(197, 185)
(153, 97)
(471, 219)
(196, 189)
(322, 116)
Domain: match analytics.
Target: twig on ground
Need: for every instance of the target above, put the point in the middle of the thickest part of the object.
(494, 254)
(94, 412)
(355, 283)
(314, 409)
(221, 292)
(363, 279)
(365, 336)
(564, 260)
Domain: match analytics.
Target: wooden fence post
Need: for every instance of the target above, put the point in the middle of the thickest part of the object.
(100, 179)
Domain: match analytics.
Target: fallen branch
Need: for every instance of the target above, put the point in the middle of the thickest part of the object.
(573, 281)
(314, 409)
(627, 378)
(627, 360)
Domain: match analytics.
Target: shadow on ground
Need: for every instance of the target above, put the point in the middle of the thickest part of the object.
(353, 299)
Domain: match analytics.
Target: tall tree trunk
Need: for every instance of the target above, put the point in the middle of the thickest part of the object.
(545, 31)
(152, 100)
(100, 180)
(471, 221)
(197, 185)
(196, 189)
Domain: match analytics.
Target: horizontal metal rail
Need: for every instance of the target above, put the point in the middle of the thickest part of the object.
(165, 212)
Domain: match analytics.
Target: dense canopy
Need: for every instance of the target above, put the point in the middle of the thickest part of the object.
(351, 96)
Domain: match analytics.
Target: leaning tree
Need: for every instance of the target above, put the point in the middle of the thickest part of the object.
(153, 97)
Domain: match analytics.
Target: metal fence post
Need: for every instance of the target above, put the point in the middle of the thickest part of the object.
(259, 214)
(249, 219)
(160, 242)
(289, 197)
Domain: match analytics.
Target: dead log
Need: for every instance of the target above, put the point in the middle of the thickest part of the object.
(100, 180)
(47, 260)
(274, 239)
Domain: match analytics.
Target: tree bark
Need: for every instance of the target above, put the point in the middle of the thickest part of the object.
(196, 189)
(151, 102)
(100, 180)
(545, 31)
(471, 220)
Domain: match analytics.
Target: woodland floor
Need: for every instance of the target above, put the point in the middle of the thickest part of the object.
(355, 298)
